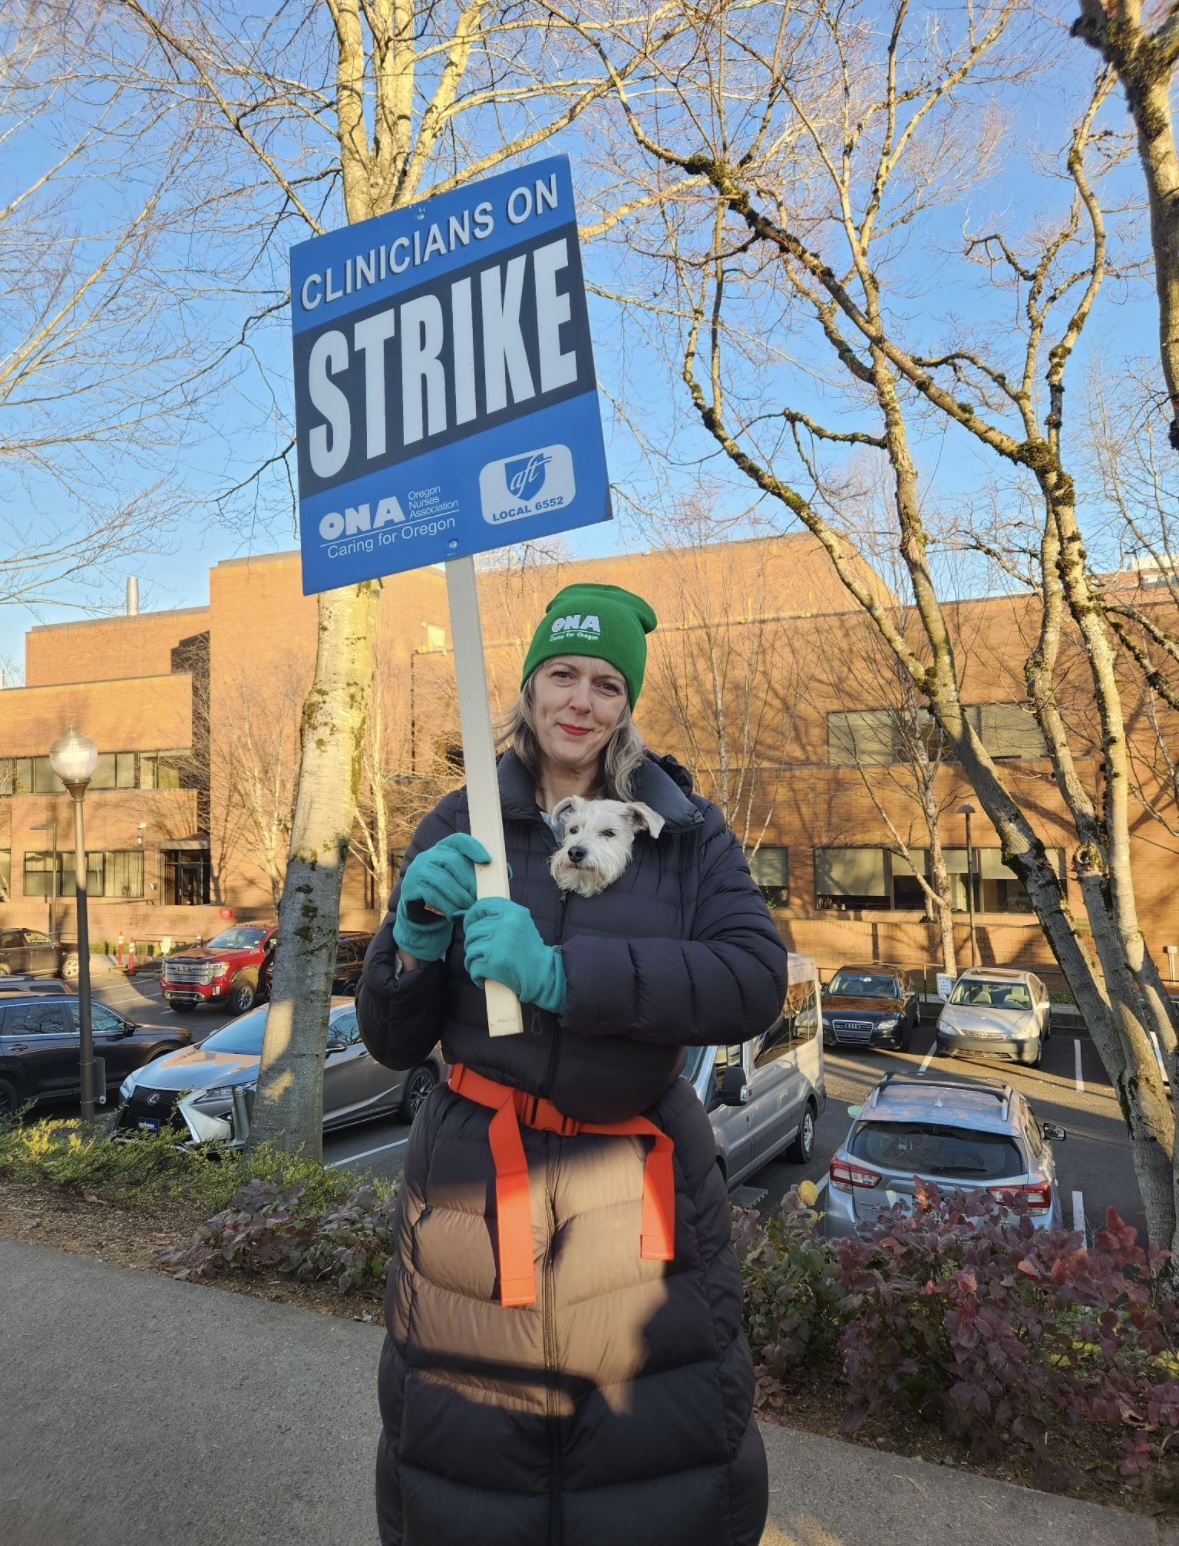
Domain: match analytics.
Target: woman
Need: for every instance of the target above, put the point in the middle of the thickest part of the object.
(565, 1364)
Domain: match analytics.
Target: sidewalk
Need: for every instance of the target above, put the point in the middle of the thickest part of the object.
(135, 1411)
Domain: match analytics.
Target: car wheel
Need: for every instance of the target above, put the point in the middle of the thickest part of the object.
(9, 1098)
(69, 966)
(803, 1147)
(1036, 1061)
(418, 1085)
(242, 993)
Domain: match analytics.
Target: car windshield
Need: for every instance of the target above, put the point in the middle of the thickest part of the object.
(991, 995)
(244, 1035)
(237, 939)
(956, 1153)
(862, 985)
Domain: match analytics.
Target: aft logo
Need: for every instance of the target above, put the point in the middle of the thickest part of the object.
(532, 483)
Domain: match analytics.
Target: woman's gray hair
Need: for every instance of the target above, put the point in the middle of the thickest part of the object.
(621, 760)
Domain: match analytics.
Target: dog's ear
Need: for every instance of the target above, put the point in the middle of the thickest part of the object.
(564, 808)
(644, 818)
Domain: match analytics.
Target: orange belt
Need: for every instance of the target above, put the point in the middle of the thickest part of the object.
(517, 1270)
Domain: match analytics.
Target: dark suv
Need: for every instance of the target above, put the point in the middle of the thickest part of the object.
(28, 951)
(39, 1051)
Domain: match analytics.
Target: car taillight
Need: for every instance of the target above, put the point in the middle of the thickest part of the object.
(844, 1177)
(1038, 1196)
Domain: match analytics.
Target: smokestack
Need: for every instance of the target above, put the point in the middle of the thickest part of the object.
(132, 596)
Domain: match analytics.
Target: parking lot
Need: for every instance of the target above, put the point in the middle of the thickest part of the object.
(1070, 1087)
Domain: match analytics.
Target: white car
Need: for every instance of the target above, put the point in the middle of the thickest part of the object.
(191, 1091)
(995, 1012)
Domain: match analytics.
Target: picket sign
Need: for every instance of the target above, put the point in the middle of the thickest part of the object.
(446, 404)
(503, 1007)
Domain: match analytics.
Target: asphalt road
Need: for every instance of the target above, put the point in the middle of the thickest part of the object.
(1093, 1164)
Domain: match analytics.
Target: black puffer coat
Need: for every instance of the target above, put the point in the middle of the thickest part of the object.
(618, 1408)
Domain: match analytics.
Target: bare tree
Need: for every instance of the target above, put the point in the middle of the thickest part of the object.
(1141, 43)
(346, 109)
(826, 145)
(726, 678)
(99, 377)
(254, 758)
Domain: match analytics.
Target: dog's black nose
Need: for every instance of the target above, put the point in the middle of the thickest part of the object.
(576, 854)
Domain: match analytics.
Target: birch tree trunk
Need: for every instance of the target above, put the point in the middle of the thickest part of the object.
(1145, 62)
(289, 1106)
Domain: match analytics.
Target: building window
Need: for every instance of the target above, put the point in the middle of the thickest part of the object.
(908, 895)
(33, 775)
(848, 879)
(876, 737)
(863, 739)
(162, 770)
(770, 870)
(110, 873)
(114, 770)
(1006, 730)
(5, 874)
(187, 877)
(997, 889)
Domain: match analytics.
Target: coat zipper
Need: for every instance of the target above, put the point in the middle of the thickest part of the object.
(554, 1051)
(552, 1391)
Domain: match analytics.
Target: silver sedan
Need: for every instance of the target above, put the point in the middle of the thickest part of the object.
(993, 1012)
(193, 1089)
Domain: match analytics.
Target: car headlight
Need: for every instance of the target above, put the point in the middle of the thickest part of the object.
(220, 1094)
(890, 1023)
(220, 971)
(947, 1027)
(127, 1086)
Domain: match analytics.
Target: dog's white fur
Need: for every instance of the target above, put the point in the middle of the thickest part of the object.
(597, 839)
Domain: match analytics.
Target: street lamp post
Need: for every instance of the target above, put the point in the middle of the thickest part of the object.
(51, 828)
(968, 811)
(73, 757)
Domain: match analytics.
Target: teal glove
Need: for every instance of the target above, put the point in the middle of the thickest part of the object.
(438, 883)
(504, 944)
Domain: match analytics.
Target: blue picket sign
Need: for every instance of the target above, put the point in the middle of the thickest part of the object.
(445, 396)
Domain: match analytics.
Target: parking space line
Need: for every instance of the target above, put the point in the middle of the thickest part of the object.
(368, 1153)
(1077, 1056)
(1079, 1211)
(928, 1058)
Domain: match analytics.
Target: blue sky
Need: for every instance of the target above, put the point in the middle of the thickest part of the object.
(246, 421)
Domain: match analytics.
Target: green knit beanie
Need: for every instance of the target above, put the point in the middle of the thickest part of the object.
(602, 621)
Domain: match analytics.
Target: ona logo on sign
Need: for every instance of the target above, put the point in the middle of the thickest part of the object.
(532, 483)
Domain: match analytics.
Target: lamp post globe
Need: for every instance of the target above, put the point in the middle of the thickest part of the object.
(74, 757)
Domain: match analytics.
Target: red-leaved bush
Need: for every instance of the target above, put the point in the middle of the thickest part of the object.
(993, 1327)
(271, 1227)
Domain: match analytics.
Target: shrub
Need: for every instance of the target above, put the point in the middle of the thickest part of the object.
(792, 1290)
(994, 1328)
(151, 1167)
(270, 1226)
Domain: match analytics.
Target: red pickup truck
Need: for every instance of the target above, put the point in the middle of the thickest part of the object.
(233, 969)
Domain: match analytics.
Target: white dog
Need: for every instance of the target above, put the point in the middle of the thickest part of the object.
(598, 836)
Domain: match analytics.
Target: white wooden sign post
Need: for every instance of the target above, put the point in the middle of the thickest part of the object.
(503, 1007)
(446, 405)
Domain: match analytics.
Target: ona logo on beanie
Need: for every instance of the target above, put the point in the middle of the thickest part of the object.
(577, 627)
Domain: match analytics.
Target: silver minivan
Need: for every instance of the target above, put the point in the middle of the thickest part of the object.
(766, 1095)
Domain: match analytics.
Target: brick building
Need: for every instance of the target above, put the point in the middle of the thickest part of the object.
(764, 677)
